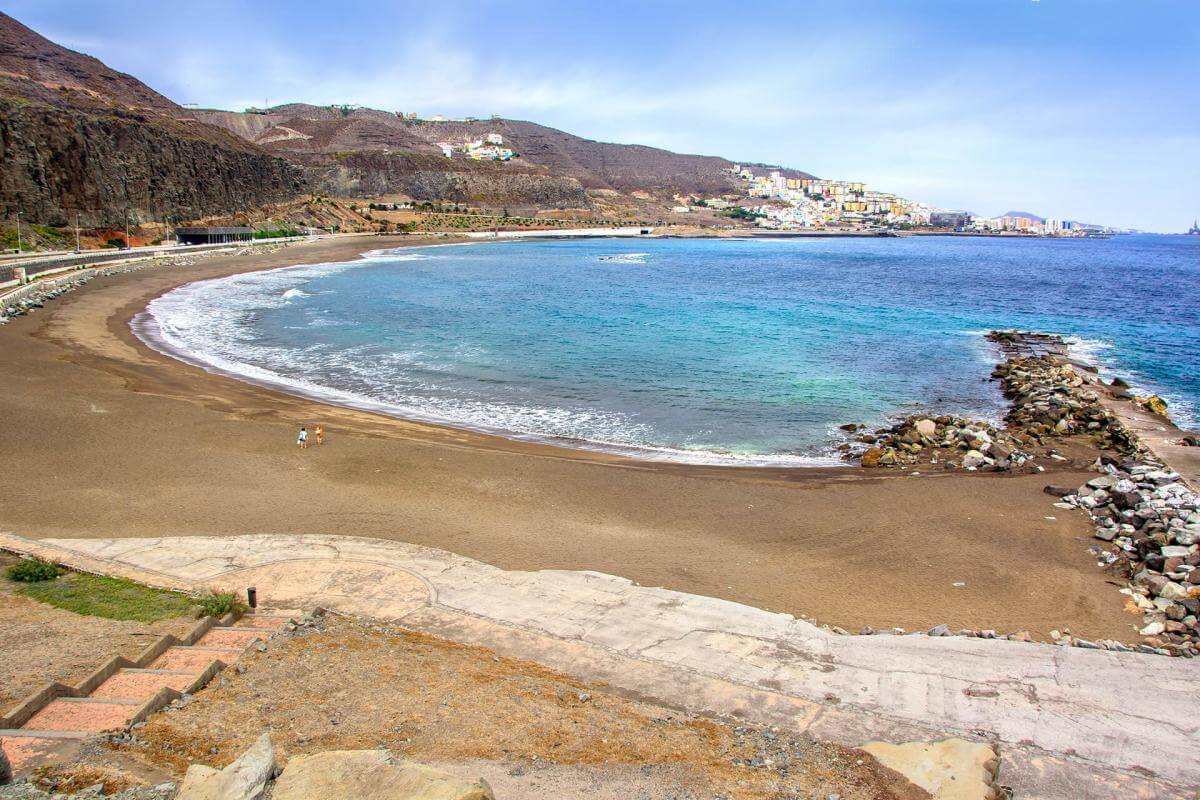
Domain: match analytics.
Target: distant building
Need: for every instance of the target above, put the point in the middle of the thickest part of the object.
(495, 138)
(955, 220)
(213, 235)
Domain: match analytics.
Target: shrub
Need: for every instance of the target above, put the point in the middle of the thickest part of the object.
(218, 604)
(33, 570)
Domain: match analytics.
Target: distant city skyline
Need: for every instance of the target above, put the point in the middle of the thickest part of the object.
(1070, 109)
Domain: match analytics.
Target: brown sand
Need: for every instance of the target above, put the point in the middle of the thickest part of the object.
(104, 437)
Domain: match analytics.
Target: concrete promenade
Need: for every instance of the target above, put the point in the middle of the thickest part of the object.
(1069, 722)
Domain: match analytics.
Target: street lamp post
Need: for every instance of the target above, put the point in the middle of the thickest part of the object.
(77, 247)
(18, 233)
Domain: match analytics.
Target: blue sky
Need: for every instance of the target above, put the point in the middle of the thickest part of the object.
(1084, 109)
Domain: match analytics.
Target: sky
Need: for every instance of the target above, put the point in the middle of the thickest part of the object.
(1073, 109)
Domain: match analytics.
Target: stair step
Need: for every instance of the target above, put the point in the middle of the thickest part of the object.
(195, 659)
(29, 748)
(142, 684)
(82, 714)
(231, 637)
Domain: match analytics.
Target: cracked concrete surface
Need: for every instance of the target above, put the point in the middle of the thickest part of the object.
(1070, 722)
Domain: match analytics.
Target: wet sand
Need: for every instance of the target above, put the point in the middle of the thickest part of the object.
(104, 437)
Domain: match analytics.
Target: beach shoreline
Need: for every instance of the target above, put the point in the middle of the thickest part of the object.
(116, 439)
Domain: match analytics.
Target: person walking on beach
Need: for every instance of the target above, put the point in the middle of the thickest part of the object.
(320, 432)
(302, 439)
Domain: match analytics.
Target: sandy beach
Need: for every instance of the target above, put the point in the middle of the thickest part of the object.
(105, 437)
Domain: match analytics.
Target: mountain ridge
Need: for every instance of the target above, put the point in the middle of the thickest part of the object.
(78, 138)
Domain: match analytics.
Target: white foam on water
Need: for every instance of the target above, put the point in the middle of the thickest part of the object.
(208, 324)
(625, 258)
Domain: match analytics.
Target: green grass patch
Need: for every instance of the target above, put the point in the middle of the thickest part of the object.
(113, 598)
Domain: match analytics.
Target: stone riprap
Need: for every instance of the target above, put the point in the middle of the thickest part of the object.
(1151, 520)
(1049, 400)
(33, 296)
(1061, 716)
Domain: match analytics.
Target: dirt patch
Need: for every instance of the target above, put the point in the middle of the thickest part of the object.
(358, 685)
(40, 643)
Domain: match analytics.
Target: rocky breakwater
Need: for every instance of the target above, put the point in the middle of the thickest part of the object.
(38, 295)
(1151, 522)
(30, 298)
(1050, 402)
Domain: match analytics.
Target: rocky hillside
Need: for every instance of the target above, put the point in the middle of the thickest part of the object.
(549, 158)
(79, 138)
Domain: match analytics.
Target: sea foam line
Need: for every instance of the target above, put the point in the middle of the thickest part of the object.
(172, 323)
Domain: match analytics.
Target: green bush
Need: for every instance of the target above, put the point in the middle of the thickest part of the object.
(218, 604)
(33, 570)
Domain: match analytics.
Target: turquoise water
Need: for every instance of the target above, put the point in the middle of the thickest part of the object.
(747, 351)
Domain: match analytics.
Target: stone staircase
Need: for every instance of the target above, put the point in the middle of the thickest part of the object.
(51, 723)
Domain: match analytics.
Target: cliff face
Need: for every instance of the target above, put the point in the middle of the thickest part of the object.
(78, 137)
(56, 162)
(428, 177)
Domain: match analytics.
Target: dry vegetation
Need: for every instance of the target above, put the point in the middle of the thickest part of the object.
(357, 685)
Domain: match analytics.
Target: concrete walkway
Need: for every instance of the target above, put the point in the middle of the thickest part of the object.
(1070, 722)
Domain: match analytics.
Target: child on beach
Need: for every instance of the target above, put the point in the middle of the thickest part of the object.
(302, 439)
(320, 432)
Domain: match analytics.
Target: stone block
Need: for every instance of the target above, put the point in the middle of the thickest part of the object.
(372, 775)
(952, 769)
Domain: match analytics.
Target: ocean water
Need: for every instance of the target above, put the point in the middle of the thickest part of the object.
(710, 351)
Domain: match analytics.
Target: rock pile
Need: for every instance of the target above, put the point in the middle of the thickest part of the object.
(950, 441)
(1152, 520)
(1049, 400)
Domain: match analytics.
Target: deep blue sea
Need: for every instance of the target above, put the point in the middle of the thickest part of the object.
(740, 351)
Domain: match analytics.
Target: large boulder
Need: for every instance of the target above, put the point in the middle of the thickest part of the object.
(244, 779)
(5, 766)
(372, 775)
(872, 457)
(973, 458)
